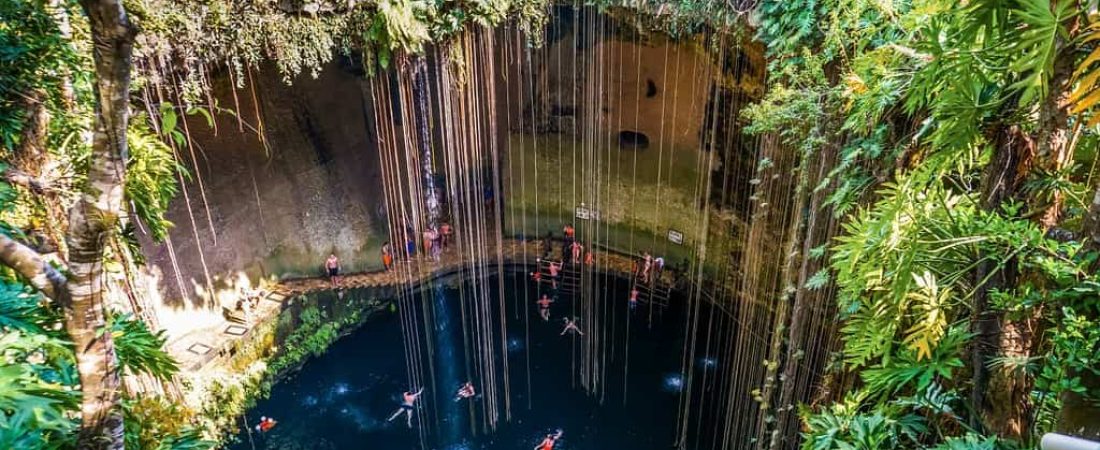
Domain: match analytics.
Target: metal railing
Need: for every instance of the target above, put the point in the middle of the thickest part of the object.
(1054, 441)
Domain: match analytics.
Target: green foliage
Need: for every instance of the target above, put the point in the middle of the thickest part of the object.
(925, 91)
(300, 37)
(154, 424)
(140, 350)
(151, 173)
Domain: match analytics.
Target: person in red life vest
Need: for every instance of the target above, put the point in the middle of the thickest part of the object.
(548, 442)
(544, 307)
(266, 424)
(408, 399)
(466, 391)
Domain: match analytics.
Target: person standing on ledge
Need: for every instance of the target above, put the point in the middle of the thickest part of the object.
(332, 266)
(387, 257)
(410, 247)
(446, 231)
(577, 249)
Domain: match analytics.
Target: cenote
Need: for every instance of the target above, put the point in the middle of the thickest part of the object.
(343, 398)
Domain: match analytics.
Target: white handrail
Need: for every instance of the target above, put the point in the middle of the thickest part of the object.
(1054, 441)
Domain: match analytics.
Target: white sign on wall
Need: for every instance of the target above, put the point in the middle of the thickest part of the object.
(585, 213)
(676, 237)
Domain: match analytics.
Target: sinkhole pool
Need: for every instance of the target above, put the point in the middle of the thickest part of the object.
(342, 399)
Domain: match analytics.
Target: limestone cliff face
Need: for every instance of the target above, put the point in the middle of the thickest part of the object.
(277, 209)
(303, 178)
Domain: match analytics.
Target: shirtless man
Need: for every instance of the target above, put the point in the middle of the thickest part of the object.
(577, 249)
(332, 266)
(408, 400)
(544, 307)
(647, 263)
(571, 326)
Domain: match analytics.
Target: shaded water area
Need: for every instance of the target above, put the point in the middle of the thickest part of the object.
(342, 399)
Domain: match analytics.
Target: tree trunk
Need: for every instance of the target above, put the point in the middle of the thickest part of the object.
(1001, 181)
(90, 222)
(1052, 137)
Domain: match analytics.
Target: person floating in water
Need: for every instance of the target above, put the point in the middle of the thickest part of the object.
(555, 268)
(571, 326)
(266, 424)
(633, 297)
(332, 266)
(548, 442)
(387, 257)
(577, 249)
(408, 400)
(466, 391)
(544, 307)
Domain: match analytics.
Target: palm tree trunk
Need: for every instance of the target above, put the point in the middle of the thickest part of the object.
(90, 222)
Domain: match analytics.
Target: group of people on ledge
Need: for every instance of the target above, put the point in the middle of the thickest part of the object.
(435, 240)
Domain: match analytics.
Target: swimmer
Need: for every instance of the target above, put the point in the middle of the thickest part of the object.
(544, 307)
(406, 407)
(266, 424)
(571, 326)
(332, 266)
(548, 442)
(466, 391)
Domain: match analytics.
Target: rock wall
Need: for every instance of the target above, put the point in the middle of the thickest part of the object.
(277, 209)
